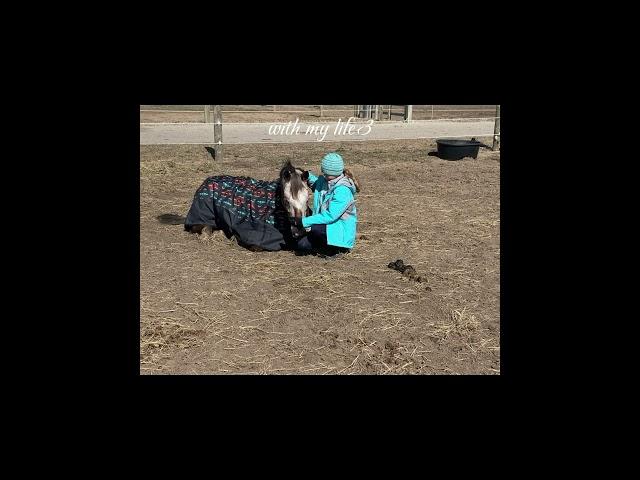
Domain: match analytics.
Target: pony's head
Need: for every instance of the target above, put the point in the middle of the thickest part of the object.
(295, 192)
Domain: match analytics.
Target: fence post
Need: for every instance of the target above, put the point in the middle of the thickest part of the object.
(207, 113)
(389, 117)
(431, 112)
(217, 132)
(320, 111)
(496, 130)
(408, 111)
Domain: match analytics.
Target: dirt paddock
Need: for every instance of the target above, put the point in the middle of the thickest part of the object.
(208, 306)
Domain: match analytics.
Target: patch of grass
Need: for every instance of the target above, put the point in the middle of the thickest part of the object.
(156, 337)
(460, 322)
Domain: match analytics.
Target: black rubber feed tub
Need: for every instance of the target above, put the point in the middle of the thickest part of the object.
(456, 149)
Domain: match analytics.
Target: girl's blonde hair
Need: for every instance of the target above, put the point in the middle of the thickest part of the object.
(355, 182)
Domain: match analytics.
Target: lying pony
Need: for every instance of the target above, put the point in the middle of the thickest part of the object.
(255, 212)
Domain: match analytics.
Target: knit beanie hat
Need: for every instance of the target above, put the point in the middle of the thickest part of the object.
(332, 164)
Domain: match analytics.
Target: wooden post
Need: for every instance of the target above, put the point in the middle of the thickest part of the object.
(408, 110)
(377, 116)
(320, 111)
(217, 132)
(496, 130)
(207, 113)
(389, 118)
(431, 112)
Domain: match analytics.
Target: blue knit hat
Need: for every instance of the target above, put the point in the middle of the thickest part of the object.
(332, 164)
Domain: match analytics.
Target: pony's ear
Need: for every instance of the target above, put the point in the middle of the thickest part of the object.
(285, 168)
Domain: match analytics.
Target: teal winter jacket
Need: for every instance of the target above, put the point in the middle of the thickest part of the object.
(334, 206)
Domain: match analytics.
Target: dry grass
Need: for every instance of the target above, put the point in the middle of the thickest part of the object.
(158, 336)
(460, 323)
(210, 306)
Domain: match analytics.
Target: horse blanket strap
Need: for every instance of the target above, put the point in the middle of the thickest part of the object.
(244, 207)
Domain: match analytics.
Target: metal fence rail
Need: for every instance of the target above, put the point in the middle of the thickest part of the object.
(213, 116)
(377, 112)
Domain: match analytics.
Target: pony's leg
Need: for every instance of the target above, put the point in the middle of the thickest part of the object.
(200, 229)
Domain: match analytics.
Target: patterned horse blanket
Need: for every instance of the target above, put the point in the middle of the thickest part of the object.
(249, 209)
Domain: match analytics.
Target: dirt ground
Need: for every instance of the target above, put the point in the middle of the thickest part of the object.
(208, 306)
